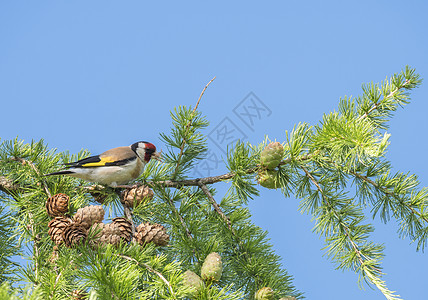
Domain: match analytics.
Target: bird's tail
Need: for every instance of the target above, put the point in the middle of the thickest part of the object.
(65, 172)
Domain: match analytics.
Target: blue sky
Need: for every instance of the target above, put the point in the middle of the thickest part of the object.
(101, 74)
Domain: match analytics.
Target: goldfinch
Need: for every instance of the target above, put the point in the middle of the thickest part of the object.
(115, 166)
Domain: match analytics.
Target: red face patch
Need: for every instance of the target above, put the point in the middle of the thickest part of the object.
(150, 146)
(150, 149)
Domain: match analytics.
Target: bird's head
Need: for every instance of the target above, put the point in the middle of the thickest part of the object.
(145, 151)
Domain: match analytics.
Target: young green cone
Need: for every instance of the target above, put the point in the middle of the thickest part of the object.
(272, 155)
(194, 282)
(212, 267)
(265, 293)
(268, 179)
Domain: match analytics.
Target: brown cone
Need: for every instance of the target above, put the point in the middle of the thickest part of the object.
(151, 233)
(106, 234)
(112, 238)
(88, 215)
(56, 228)
(136, 195)
(57, 205)
(125, 228)
(74, 234)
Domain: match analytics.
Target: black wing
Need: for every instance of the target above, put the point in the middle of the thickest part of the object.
(98, 161)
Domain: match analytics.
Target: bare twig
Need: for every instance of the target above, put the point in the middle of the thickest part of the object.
(128, 214)
(202, 93)
(150, 269)
(36, 239)
(188, 126)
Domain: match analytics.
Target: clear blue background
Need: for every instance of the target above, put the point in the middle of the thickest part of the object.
(101, 74)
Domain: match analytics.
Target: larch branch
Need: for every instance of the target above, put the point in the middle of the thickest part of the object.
(217, 208)
(389, 193)
(187, 128)
(150, 269)
(376, 105)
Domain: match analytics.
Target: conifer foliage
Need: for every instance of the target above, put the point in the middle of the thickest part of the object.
(171, 236)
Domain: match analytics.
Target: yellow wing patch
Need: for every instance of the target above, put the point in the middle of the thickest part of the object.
(103, 161)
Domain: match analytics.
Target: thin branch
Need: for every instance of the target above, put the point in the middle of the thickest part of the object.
(8, 186)
(345, 227)
(202, 93)
(31, 164)
(376, 105)
(212, 179)
(187, 128)
(128, 214)
(368, 269)
(389, 193)
(383, 190)
(36, 239)
(188, 233)
(186, 229)
(150, 269)
(58, 276)
(216, 206)
(126, 211)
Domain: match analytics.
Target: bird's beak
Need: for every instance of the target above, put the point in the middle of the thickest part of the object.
(157, 155)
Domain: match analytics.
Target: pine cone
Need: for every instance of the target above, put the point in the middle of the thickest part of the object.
(79, 295)
(74, 234)
(113, 239)
(268, 179)
(57, 205)
(272, 155)
(105, 234)
(194, 283)
(125, 228)
(212, 267)
(134, 196)
(88, 215)
(288, 298)
(56, 228)
(147, 233)
(265, 293)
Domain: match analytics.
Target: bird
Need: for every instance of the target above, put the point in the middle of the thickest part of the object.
(114, 167)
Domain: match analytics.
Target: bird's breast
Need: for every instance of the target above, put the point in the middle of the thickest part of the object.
(139, 167)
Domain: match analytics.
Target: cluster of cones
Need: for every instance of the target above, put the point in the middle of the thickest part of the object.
(88, 221)
(270, 159)
(211, 271)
